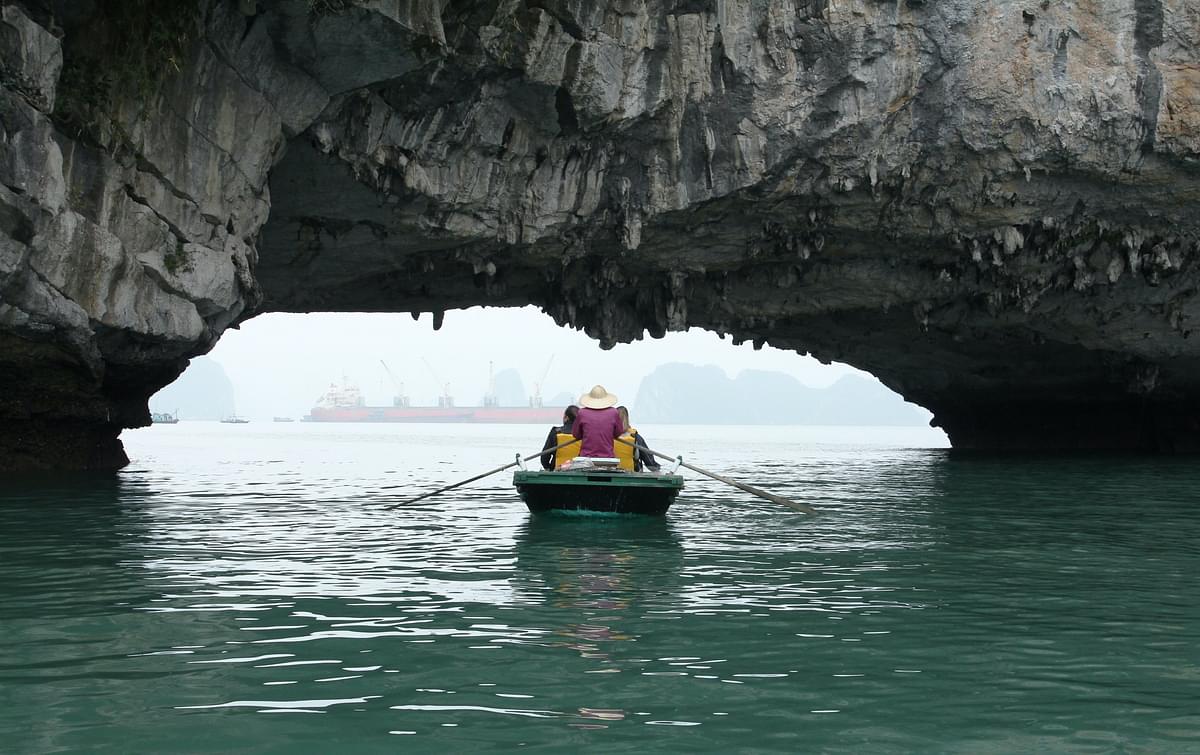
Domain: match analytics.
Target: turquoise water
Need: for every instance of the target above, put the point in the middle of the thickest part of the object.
(246, 588)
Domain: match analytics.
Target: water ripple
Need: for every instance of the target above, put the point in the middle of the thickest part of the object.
(936, 603)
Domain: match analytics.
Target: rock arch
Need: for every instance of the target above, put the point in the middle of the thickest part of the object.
(993, 210)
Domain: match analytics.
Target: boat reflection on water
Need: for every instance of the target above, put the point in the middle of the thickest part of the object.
(598, 564)
(597, 576)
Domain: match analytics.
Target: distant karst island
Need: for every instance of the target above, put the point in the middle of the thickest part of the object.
(679, 393)
(203, 391)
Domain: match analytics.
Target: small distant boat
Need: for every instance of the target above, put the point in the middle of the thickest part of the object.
(282, 419)
(233, 419)
(599, 489)
(164, 418)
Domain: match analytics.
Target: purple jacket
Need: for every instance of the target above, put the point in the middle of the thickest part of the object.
(597, 428)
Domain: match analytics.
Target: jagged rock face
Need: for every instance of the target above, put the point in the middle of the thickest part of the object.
(991, 206)
(117, 264)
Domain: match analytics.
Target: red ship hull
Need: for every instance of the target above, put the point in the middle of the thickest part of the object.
(477, 414)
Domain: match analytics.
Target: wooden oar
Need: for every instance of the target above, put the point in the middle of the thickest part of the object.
(804, 508)
(509, 465)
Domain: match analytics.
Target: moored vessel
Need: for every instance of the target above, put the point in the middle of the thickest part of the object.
(345, 403)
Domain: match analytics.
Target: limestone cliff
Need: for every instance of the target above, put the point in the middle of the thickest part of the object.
(991, 206)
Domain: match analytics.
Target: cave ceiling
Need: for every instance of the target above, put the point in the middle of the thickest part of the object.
(990, 207)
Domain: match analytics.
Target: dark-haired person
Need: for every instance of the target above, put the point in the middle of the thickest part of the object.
(642, 458)
(552, 439)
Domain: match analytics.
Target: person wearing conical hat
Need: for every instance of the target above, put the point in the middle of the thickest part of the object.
(597, 423)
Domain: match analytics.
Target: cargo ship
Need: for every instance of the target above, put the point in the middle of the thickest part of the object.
(345, 403)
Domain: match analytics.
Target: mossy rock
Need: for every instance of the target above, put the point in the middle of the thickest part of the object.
(120, 55)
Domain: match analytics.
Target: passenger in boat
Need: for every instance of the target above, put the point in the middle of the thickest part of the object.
(642, 458)
(597, 423)
(558, 435)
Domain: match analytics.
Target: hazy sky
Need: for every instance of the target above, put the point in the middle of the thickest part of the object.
(281, 363)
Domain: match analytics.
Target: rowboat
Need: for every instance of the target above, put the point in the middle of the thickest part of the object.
(597, 491)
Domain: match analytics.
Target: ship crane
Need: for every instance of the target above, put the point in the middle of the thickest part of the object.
(536, 399)
(445, 400)
(401, 398)
(490, 398)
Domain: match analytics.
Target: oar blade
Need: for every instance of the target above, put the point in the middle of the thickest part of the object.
(794, 505)
(509, 465)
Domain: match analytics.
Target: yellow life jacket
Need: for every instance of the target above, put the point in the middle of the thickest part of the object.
(624, 451)
(566, 453)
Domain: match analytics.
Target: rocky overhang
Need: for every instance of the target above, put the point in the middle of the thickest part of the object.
(990, 206)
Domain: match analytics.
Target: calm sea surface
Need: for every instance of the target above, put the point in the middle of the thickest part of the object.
(245, 588)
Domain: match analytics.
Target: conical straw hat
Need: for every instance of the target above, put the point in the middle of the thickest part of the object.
(598, 398)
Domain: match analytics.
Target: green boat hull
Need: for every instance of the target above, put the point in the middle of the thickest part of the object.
(597, 492)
